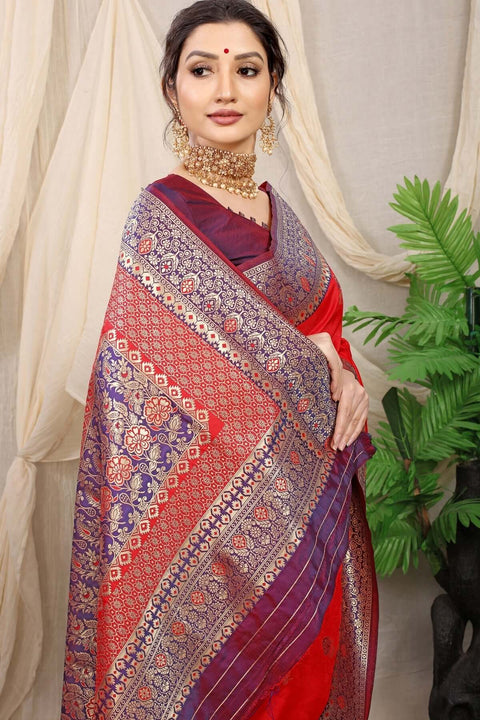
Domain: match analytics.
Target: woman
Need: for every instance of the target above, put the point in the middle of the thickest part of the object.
(221, 563)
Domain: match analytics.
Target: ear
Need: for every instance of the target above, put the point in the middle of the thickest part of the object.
(273, 87)
(172, 95)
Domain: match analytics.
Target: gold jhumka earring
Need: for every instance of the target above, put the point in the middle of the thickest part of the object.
(181, 145)
(268, 138)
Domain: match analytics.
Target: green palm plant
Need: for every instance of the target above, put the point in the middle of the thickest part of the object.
(433, 348)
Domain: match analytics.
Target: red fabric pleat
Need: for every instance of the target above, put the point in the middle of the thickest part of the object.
(304, 691)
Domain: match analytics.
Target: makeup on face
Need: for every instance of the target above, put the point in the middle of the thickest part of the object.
(223, 92)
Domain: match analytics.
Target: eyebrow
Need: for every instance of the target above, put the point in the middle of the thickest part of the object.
(212, 56)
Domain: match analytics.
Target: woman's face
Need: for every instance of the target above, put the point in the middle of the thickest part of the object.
(223, 86)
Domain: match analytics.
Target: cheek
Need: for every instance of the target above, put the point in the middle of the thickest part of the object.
(259, 103)
(260, 96)
(188, 94)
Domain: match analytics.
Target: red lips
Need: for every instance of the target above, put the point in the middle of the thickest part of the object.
(225, 113)
(225, 117)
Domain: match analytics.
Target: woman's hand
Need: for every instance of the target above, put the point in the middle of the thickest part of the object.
(346, 390)
(352, 411)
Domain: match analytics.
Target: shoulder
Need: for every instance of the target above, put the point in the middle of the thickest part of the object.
(168, 185)
(174, 191)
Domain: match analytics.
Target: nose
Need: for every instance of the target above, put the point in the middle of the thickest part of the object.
(225, 87)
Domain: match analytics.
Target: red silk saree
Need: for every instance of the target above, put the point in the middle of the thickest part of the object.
(217, 535)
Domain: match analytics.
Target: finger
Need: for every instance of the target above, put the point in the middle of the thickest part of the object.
(351, 413)
(358, 427)
(350, 424)
(342, 426)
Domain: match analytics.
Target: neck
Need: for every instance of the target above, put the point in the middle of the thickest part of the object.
(223, 169)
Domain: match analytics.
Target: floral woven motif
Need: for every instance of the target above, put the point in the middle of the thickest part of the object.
(212, 517)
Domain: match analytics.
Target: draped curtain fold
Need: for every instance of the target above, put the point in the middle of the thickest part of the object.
(307, 146)
(25, 37)
(101, 156)
(306, 142)
(110, 142)
(24, 57)
(464, 177)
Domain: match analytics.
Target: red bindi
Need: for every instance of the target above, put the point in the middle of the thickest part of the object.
(226, 51)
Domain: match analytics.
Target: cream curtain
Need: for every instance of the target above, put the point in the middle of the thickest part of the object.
(25, 32)
(464, 177)
(309, 152)
(99, 161)
(109, 144)
(307, 146)
(24, 56)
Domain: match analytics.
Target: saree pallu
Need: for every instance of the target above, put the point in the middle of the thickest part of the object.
(213, 520)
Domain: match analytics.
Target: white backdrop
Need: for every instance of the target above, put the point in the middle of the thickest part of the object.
(387, 81)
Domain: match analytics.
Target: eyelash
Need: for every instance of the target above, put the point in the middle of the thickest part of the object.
(251, 71)
(254, 70)
(195, 70)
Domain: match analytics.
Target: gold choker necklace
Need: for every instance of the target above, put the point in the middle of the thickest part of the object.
(223, 169)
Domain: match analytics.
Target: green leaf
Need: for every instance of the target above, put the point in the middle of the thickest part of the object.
(387, 324)
(430, 344)
(450, 418)
(415, 364)
(442, 244)
(444, 527)
(391, 405)
(428, 482)
(384, 471)
(428, 319)
(434, 554)
(399, 548)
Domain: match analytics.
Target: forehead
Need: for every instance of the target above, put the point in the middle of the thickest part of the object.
(215, 37)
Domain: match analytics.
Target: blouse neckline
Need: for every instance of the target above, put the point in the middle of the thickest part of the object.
(263, 187)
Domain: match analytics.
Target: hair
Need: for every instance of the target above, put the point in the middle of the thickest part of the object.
(223, 11)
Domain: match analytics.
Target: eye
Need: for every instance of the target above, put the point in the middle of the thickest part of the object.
(248, 71)
(200, 70)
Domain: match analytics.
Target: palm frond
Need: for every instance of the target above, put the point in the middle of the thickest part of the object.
(444, 527)
(387, 324)
(385, 437)
(434, 555)
(405, 501)
(399, 548)
(428, 480)
(415, 364)
(428, 319)
(435, 345)
(403, 412)
(409, 504)
(450, 418)
(442, 243)
(384, 511)
(384, 471)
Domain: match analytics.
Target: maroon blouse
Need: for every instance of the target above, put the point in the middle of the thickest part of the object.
(242, 240)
